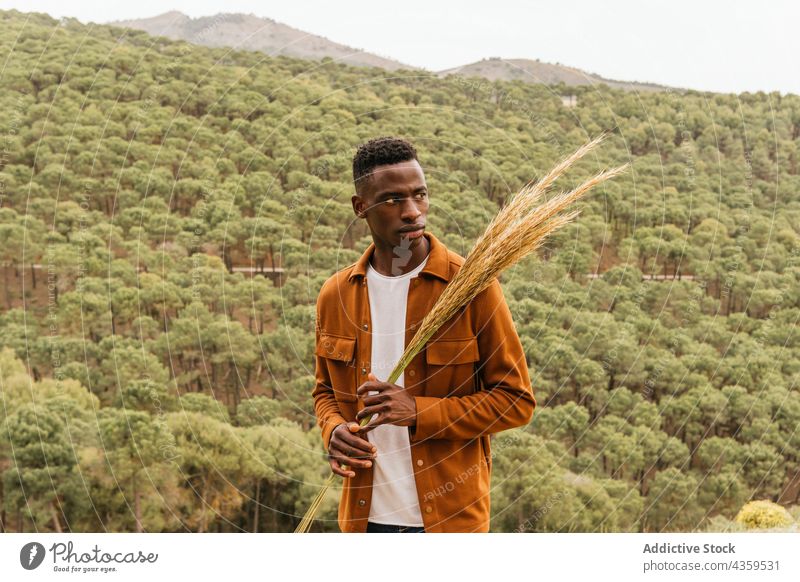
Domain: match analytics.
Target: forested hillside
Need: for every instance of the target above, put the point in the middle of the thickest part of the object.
(169, 212)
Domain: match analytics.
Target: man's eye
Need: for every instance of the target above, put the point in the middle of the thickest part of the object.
(422, 194)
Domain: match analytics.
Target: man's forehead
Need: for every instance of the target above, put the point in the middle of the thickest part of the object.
(404, 174)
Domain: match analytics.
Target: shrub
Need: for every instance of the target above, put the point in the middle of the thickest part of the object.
(763, 514)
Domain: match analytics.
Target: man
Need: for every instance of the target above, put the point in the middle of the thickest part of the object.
(423, 463)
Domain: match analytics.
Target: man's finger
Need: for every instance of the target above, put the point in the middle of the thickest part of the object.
(377, 419)
(369, 386)
(336, 467)
(352, 452)
(372, 399)
(342, 449)
(352, 461)
(368, 411)
(354, 440)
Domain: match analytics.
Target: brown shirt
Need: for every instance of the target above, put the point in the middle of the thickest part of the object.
(470, 381)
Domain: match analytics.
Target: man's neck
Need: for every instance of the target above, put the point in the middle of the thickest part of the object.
(393, 261)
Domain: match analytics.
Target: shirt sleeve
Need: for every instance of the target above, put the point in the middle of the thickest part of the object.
(507, 399)
(325, 406)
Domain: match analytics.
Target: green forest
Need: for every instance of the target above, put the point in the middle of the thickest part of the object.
(169, 212)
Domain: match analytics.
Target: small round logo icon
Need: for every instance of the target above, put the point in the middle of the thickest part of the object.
(31, 555)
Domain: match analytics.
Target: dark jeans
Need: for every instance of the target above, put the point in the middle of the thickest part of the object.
(373, 527)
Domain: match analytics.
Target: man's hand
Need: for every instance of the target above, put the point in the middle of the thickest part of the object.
(391, 405)
(347, 448)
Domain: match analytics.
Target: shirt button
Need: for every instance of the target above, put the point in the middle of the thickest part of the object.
(362, 502)
(428, 509)
(412, 373)
(365, 326)
(363, 370)
(420, 462)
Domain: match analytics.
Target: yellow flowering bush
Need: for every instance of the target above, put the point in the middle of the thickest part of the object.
(763, 514)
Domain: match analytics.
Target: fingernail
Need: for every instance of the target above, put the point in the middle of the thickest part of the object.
(369, 463)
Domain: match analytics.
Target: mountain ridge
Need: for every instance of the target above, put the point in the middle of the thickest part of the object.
(533, 70)
(251, 32)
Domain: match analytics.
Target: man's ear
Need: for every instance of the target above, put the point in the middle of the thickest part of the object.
(359, 207)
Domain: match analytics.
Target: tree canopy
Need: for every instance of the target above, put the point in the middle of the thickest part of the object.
(169, 212)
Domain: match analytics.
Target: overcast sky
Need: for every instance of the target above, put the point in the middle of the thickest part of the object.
(729, 46)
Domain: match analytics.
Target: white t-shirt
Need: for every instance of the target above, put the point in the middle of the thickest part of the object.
(394, 491)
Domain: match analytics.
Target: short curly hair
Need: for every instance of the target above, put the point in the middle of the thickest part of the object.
(377, 152)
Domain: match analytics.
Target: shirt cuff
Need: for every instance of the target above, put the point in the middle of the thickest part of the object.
(429, 418)
(327, 429)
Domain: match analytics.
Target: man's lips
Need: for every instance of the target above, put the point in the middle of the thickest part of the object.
(415, 232)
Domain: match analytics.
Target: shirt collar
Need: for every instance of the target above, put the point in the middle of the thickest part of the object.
(438, 264)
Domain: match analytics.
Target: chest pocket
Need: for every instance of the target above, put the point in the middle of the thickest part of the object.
(451, 366)
(339, 354)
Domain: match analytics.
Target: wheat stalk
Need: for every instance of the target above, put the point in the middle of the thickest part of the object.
(518, 229)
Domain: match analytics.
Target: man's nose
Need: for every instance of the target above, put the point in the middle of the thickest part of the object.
(410, 211)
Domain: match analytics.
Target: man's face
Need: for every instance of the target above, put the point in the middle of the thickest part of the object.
(394, 201)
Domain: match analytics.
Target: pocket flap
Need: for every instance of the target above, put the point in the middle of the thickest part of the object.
(452, 351)
(336, 347)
